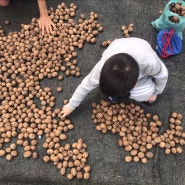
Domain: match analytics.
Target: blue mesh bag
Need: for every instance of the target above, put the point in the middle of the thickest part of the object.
(168, 43)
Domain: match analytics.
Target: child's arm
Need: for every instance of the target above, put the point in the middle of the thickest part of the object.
(90, 82)
(152, 80)
(155, 68)
(65, 111)
(45, 22)
(160, 77)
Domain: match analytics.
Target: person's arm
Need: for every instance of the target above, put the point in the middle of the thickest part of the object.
(90, 82)
(151, 66)
(45, 22)
(155, 68)
(160, 77)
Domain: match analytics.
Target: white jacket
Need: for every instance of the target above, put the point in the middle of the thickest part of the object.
(153, 74)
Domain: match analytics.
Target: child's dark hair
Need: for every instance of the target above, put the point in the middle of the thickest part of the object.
(119, 75)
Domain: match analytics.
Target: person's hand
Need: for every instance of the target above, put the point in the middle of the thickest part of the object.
(65, 112)
(152, 99)
(46, 24)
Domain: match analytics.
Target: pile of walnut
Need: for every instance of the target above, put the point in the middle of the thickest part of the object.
(106, 43)
(139, 131)
(27, 110)
(70, 159)
(178, 9)
(127, 30)
(126, 33)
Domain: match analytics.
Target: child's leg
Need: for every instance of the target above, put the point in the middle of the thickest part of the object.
(4, 2)
(143, 93)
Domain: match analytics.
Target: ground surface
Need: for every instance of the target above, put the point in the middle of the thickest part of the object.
(106, 158)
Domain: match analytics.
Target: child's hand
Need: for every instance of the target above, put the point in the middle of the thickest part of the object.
(65, 112)
(46, 24)
(152, 99)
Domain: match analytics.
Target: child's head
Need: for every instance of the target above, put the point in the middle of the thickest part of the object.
(119, 75)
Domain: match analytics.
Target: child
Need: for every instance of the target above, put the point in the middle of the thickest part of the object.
(128, 65)
(45, 22)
